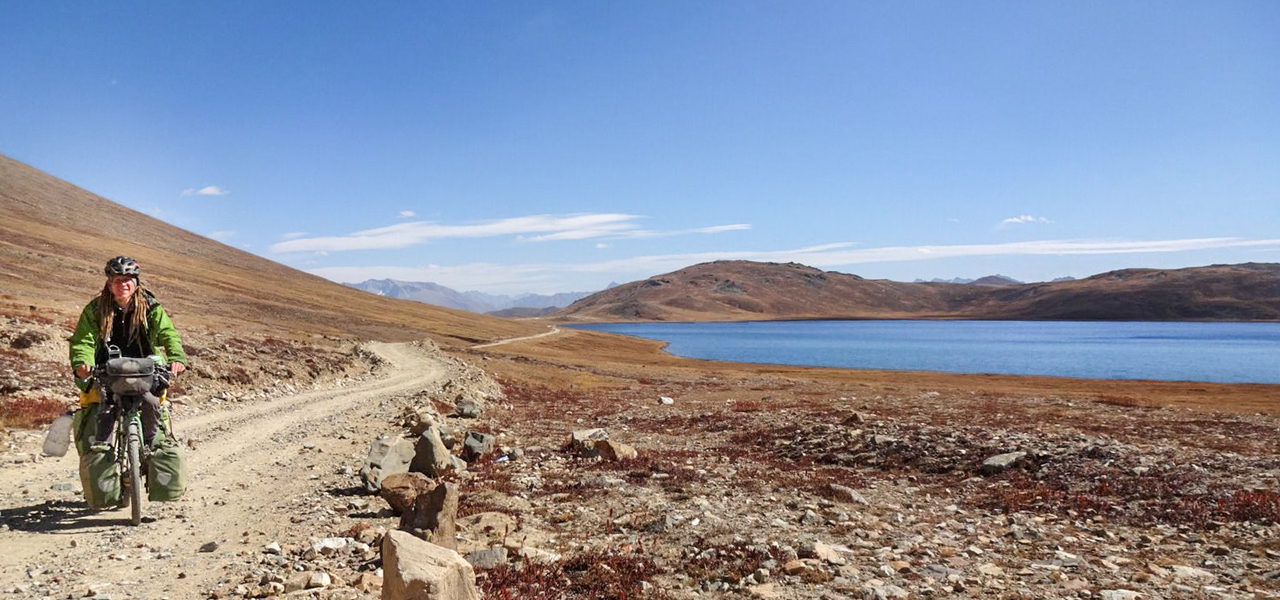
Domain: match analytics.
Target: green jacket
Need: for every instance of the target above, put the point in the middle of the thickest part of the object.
(164, 339)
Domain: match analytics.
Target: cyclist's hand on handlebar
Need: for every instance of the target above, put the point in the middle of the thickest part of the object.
(177, 368)
(83, 371)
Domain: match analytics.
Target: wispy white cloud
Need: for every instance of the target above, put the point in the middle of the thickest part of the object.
(293, 235)
(208, 190)
(1024, 219)
(407, 214)
(525, 277)
(603, 245)
(221, 236)
(533, 228)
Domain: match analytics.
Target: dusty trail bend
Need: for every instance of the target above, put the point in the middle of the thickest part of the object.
(254, 470)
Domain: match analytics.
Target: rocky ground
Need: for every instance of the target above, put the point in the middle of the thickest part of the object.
(746, 485)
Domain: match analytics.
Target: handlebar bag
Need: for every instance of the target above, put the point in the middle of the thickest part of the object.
(130, 376)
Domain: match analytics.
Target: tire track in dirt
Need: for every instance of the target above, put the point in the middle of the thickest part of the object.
(246, 474)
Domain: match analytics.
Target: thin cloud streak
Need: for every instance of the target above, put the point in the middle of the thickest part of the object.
(524, 277)
(544, 227)
(208, 190)
(1023, 219)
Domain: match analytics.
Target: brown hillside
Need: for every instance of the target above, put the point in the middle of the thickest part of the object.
(743, 290)
(55, 237)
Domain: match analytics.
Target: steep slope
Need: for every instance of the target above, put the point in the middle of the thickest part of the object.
(742, 290)
(54, 238)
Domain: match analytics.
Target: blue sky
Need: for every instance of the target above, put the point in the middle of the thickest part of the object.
(528, 147)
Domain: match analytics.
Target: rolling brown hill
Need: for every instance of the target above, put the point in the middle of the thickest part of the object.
(55, 237)
(744, 290)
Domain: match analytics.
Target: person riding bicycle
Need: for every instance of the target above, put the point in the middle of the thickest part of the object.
(127, 316)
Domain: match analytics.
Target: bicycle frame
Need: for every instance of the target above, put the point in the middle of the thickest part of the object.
(129, 449)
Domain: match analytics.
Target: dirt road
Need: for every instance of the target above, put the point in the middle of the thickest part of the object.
(278, 471)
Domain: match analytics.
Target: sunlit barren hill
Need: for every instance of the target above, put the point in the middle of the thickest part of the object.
(55, 237)
(743, 290)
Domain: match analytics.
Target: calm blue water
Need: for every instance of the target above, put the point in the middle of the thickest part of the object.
(1222, 352)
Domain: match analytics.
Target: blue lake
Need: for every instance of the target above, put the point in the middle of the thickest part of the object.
(1221, 352)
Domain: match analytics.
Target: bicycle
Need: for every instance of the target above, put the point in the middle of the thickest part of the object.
(124, 382)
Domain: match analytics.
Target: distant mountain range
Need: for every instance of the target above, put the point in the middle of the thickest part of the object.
(523, 305)
(744, 290)
(988, 280)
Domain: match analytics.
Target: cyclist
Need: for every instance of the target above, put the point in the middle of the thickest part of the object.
(129, 317)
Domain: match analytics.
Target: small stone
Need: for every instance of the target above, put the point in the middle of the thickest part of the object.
(368, 582)
(1001, 462)
(847, 494)
(330, 546)
(666, 400)
(319, 579)
(583, 441)
(209, 547)
(795, 567)
(821, 552)
(1192, 574)
(489, 558)
(297, 581)
(615, 451)
(1118, 595)
(990, 570)
(272, 548)
(468, 408)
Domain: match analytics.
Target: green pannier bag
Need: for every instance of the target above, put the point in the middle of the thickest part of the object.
(100, 478)
(164, 472)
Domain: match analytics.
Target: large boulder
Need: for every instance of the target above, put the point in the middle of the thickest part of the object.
(387, 455)
(417, 570)
(434, 516)
(430, 457)
(477, 445)
(401, 490)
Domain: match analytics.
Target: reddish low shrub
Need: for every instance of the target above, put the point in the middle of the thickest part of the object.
(30, 412)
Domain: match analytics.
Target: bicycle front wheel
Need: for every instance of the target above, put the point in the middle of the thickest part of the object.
(135, 473)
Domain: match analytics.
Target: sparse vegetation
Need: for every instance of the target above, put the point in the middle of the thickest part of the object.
(29, 412)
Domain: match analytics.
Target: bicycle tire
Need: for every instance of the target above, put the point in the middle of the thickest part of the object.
(135, 474)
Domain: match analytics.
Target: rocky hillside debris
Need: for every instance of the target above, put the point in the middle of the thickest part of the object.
(401, 490)
(1052, 471)
(28, 338)
(583, 442)
(418, 570)
(434, 516)
(388, 454)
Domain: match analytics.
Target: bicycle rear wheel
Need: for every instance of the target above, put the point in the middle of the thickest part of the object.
(134, 442)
